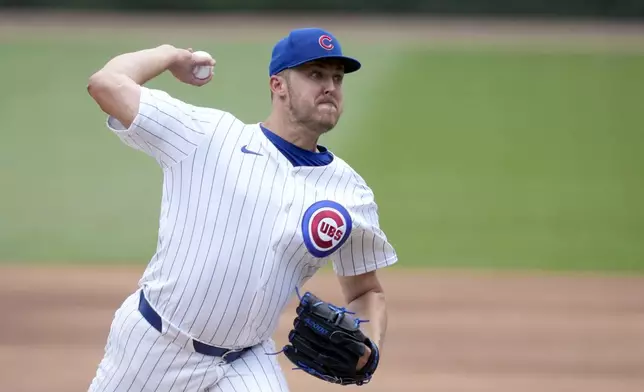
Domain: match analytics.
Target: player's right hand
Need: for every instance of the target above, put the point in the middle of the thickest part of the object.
(184, 64)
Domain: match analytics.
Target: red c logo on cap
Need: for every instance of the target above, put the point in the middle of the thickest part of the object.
(325, 42)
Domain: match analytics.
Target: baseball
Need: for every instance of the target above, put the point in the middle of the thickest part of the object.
(202, 71)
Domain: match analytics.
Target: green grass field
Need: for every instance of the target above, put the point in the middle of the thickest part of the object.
(478, 157)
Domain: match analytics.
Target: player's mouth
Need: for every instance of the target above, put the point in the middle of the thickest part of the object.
(328, 104)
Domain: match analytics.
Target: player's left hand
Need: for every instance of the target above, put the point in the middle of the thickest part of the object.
(327, 343)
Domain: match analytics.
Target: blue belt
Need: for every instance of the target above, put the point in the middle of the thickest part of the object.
(152, 317)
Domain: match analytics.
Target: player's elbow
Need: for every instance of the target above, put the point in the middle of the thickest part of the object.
(358, 286)
(100, 85)
(115, 94)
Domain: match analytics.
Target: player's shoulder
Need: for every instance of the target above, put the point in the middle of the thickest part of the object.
(348, 170)
(353, 177)
(197, 112)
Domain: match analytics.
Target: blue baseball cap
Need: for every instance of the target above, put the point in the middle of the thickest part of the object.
(303, 45)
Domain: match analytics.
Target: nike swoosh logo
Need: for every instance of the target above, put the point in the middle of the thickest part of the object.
(247, 151)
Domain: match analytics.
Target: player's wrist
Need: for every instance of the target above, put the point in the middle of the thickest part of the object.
(172, 55)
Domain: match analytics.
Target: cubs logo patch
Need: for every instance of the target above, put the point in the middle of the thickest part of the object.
(325, 42)
(326, 225)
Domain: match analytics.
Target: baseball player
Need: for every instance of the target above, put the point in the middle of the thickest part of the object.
(249, 213)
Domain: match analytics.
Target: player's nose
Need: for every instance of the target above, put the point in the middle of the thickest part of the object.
(329, 85)
(329, 89)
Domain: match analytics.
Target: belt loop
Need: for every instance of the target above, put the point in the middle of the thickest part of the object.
(235, 352)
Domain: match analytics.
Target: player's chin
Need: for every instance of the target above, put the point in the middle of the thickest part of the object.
(327, 123)
(330, 117)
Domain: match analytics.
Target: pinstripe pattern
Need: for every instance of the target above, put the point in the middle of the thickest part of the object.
(139, 358)
(231, 248)
(253, 372)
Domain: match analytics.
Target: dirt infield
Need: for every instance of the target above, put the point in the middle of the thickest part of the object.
(453, 331)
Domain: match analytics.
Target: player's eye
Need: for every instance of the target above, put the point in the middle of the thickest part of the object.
(316, 74)
(338, 78)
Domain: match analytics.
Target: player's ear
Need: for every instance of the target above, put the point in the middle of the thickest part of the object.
(278, 85)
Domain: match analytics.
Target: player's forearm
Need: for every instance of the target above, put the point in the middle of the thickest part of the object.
(143, 65)
(372, 306)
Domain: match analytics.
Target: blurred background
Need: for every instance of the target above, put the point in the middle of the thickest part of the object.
(503, 141)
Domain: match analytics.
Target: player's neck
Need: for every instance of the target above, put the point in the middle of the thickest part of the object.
(296, 134)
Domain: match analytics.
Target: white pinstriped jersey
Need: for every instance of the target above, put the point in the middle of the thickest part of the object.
(240, 225)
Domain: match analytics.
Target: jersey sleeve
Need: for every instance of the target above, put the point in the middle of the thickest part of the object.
(367, 248)
(166, 128)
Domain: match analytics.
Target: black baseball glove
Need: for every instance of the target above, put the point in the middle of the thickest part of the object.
(327, 343)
